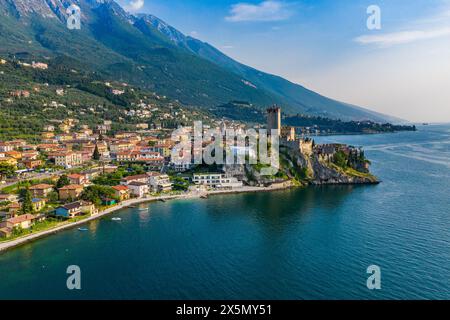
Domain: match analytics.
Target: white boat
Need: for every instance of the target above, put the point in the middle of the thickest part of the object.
(83, 229)
(116, 219)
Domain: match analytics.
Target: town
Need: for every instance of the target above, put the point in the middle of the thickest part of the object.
(72, 175)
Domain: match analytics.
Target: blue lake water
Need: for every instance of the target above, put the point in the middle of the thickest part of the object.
(313, 243)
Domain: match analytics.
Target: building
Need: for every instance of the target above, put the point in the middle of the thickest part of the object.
(80, 179)
(274, 120)
(32, 164)
(143, 126)
(68, 159)
(38, 204)
(24, 221)
(9, 197)
(13, 209)
(137, 178)
(41, 190)
(159, 182)
(164, 149)
(8, 161)
(138, 189)
(20, 93)
(121, 192)
(6, 147)
(39, 65)
(72, 191)
(74, 209)
(288, 133)
(216, 180)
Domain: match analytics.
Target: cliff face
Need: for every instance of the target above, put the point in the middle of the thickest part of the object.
(305, 169)
(328, 174)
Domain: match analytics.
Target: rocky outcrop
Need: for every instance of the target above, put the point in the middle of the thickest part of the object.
(326, 174)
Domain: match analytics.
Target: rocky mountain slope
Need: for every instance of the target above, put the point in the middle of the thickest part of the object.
(147, 52)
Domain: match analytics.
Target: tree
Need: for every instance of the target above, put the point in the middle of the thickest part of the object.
(62, 181)
(96, 155)
(96, 193)
(27, 205)
(7, 170)
(340, 159)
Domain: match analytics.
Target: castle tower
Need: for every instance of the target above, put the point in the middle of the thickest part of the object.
(274, 119)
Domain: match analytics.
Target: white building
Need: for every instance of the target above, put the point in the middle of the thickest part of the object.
(217, 180)
(138, 189)
(159, 182)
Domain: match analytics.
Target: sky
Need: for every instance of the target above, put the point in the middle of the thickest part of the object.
(401, 68)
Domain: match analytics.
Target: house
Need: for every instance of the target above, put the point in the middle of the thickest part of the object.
(14, 209)
(8, 197)
(32, 164)
(14, 154)
(39, 65)
(38, 204)
(5, 232)
(121, 192)
(138, 189)
(159, 182)
(72, 191)
(137, 178)
(74, 209)
(24, 221)
(5, 147)
(20, 93)
(80, 179)
(8, 161)
(68, 159)
(41, 190)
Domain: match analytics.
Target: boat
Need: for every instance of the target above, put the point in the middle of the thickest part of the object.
(83, 229)
(143, 209)
(162, 200)
(116, 219)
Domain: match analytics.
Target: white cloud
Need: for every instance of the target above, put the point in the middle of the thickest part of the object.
(268, 10)
(403, 37)
(135, 5)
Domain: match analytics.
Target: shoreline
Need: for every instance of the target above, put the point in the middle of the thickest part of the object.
(7, 245)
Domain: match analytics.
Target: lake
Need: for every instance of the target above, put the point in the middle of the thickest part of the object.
(313, 243)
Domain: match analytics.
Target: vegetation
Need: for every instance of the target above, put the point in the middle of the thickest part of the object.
(326, 125)
(96, 155)
(96, 194)
(62, 181)
(27, 204)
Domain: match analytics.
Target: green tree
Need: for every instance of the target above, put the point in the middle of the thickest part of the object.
(7, 170)
(96, 155)
(62, 181)
(27, 205)
(95, 194)
(340, 159)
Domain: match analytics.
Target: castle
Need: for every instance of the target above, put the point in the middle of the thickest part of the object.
(287, 135)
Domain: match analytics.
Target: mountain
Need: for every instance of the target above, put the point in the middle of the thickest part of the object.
(147, 52)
